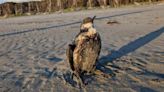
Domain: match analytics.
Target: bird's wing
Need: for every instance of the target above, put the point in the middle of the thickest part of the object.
(71, 48)
(99, 42)
(69, 54)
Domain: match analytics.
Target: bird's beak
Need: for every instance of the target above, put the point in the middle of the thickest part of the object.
(93, 19)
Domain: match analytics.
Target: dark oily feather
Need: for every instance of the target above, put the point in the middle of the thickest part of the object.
(91, 54)
(69, 54)
(86, 53)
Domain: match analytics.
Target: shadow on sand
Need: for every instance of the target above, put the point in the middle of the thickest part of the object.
(128, 48)
(132, 46)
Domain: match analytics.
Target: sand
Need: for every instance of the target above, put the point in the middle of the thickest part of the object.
(32, 51)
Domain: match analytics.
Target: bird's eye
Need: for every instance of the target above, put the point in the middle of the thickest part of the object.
(84, 30)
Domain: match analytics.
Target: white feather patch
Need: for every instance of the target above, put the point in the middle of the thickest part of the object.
(91, 31)
(87, 26)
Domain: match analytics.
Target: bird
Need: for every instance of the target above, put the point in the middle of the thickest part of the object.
(83, 53)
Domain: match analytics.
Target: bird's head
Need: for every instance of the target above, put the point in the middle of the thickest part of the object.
(87, 23)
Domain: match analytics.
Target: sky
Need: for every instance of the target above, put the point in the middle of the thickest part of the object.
(3, 1)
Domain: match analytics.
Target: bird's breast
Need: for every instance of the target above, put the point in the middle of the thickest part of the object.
(91, 32)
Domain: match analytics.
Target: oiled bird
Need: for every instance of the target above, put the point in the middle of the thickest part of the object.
(84, 51)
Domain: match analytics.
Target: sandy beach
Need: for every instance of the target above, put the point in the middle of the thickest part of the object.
(32, 51)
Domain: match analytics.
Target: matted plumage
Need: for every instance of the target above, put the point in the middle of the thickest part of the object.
(83, 53)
